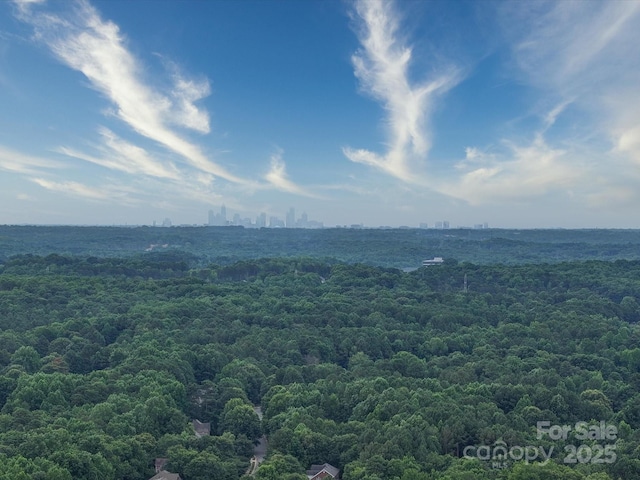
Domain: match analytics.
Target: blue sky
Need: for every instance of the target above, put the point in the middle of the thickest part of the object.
(519, 114)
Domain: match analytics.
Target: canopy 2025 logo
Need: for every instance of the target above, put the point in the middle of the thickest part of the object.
(599, 446)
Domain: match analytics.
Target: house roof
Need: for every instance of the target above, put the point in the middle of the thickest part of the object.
(316, 469)
(201, 428)
(166, 476)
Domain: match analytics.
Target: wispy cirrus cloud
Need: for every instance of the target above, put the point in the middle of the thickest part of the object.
(24, 197)
(17, 162)
(82, 40)
(588, 51)
(118, 154)
(523, 173)
(24, 5)
(95, 47)
(278, 178)
(185, 93)
(584, 54)
(556, 43)
(80, 190)
(582, 63)
(382, 67)
(112, 191)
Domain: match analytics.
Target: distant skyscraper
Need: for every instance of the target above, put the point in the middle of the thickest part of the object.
(275, 222)
(261, 220)
(218, 219)
(291, 218)
(303, 221)
(445, 225)
(438, 225)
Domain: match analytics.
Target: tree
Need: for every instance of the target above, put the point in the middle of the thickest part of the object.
(27, 357)
(205, 466)
(240, 419)
(280, 466)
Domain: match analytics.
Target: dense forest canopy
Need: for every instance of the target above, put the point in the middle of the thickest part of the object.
(457, 371)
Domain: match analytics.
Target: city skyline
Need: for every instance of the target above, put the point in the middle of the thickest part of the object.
(220, 219)
(377, 112)
(262, 220)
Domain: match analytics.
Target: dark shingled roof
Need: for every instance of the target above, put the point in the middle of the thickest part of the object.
(202, 429)
(316, 469)
(166, 476)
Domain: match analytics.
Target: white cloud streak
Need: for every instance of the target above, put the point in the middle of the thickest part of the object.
(278, 178)
(529, 171)
(25, 5)
(96, 48)
(578, 56)
(558, 43)
(74, 189)
(185, 93)
(25, 197)
(382, 67)
(17, 162)
(585, 53)
(118, 154)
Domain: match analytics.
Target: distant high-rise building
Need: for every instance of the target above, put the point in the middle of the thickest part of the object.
(445, 224)
(261, 220)
(275, 222)
(218, 219)
(424, 225)
(303, 221)
(291, 218)
(166, 222)
(438, 225)
(236, 219)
